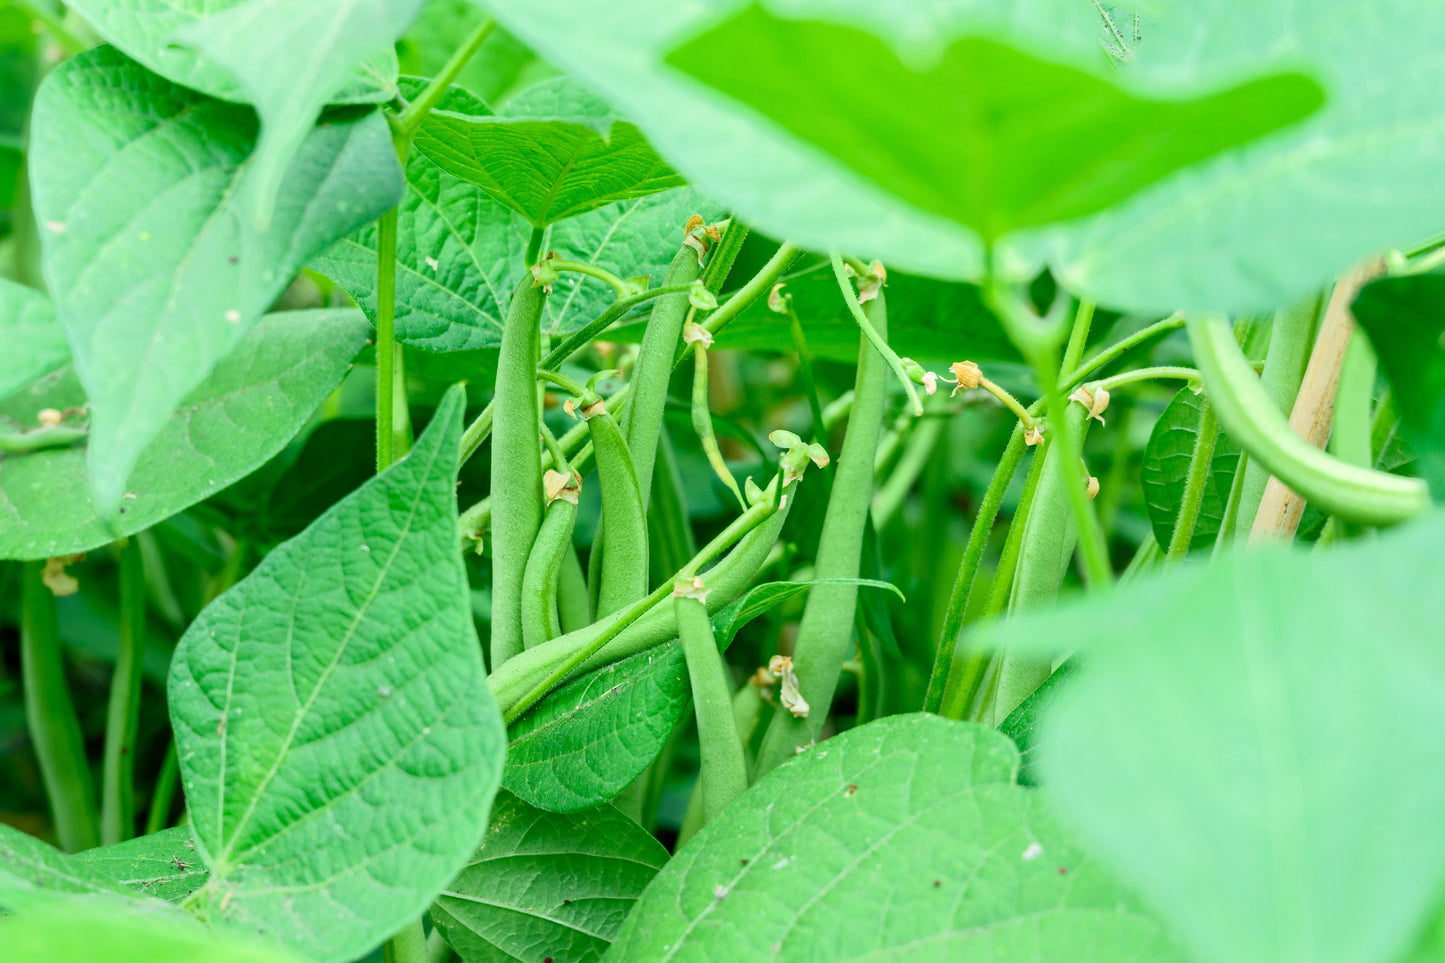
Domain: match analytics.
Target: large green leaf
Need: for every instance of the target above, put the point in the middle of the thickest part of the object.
(1165, 466)
(164, 864)
(157, 269)
(545, 885)
(1264, 226)
(459, 256)
(68, 932)
(986, 135)
(1405, 319)
(289, 58)
(229, 425)
(902, 839)
(554, 152)
(1246, 744)
(34, 340)
(338, 744)
(31, 869)
(147, 30)
(769, 178)
(584, 743)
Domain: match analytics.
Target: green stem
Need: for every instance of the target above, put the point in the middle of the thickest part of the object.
(1351, 429)
(1290, 339)
(805, 372)
(411, 118)
(1120, 348)
(1078, 336)
(756, 287)
(386, 340)
(917, 451)
(50, 715)
(874, 336)
(407, 946)
(724, 767)
(623, 288)
(702, 425)
(583, 396)
(159, 816)
(1256, 424)
(437, 948)
(1162, 373)
(1195, 482)
(826, 630)
(720, 262)
(117, 807)
(958, 599)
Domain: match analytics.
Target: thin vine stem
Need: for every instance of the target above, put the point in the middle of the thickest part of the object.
(1195, 482)
(411, 118)
(386, 340)
(117, 807)
(879, 343)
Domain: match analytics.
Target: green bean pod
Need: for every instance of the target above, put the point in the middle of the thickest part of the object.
(540, 615)
(516, 467)
(727, 580)
(826, 631)
(622, 577)
(724, 769)
(574, 609)
(642, 423)
(1044, 553)
(702, 421)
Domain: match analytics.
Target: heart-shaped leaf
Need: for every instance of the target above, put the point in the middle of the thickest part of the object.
(547, 885)
(164, 865)
(252, 404)
(1405, 319)
(147, 30)
(556, 151)
(338, 744)
(903, 838)
(157, 270)
(584, 743)
(986, 135)
(1255, 768)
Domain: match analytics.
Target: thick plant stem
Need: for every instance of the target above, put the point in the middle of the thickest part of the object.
(1254, 422)
(50, 716)
(1284, 366)
(968, 569)
(516, 467)
(724, 766)
(643, 422)
(1281, 508)
(1195, 483)
(117, 805)
(386, 349)
(1044, 554)
(826, 630)
(407, 946)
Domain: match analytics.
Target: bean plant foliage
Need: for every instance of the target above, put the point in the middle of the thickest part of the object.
(488, 480)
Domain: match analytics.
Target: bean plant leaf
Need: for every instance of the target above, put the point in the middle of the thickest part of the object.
(459, 254)
(554, 152)
(1298, 822)
(769, 178)
(1405, 319)
(547, 885)
(1165, 467)
(32, 869)
(164, 865)
(1024, 723)
(158, 271)
(761, 598)
(70, 932)
(147, 30)
(289, 58)
(987, 135)
(338, 744)
(1264, 226)
(245, 412)
(585, 742)
(905, 837)
(33, 338)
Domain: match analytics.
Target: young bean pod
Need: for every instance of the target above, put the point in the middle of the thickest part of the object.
(826, 631)
(540, 615)
(724, 765)
(622, 577)
(516, 467)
